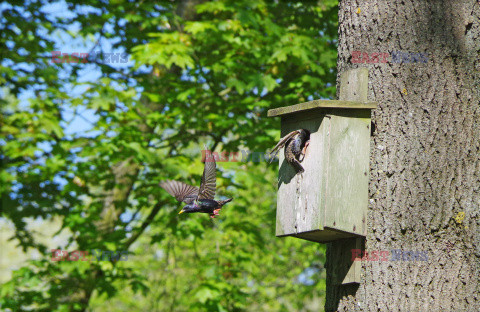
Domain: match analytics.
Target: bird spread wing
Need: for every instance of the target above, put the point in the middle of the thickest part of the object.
(282, 143)
(209, 180)
(181, 191)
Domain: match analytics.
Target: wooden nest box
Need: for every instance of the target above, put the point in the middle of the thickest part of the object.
(329, 200)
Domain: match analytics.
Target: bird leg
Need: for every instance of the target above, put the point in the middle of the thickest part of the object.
(304, 151)
(215, 213)
(296, 164)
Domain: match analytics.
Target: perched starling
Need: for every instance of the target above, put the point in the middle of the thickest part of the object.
(295, 143)
(198, 200)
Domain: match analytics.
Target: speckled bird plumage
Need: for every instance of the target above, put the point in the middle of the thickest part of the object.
(295, 144)
(198, 199)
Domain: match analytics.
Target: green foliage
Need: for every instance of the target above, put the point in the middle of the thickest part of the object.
(202, 75)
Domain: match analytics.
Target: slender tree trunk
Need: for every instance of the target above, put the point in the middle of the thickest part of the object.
(425, 152)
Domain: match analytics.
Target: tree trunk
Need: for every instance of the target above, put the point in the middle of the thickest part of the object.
(425, 163)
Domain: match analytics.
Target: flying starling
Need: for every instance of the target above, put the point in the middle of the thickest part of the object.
(198, 200)
(295, 143)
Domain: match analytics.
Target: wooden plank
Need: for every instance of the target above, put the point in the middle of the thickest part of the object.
(354, 85)
(324, 236)
(344, 274)
(346, 194)
(354, 272)
(344, 270)
(321, 104)
(299, 194)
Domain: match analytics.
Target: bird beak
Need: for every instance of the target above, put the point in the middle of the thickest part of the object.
(181, 211)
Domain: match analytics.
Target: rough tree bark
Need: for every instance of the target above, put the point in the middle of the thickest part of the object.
(425, 153)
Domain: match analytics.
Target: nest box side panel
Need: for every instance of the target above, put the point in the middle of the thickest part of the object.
(346, 196)
(300, 201)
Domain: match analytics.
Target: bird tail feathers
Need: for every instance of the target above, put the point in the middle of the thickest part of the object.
(281, 144)
(223, 202)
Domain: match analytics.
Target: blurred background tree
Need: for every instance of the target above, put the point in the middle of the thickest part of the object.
(84, 146)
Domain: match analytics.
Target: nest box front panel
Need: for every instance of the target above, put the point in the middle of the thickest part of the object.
(299, 194)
